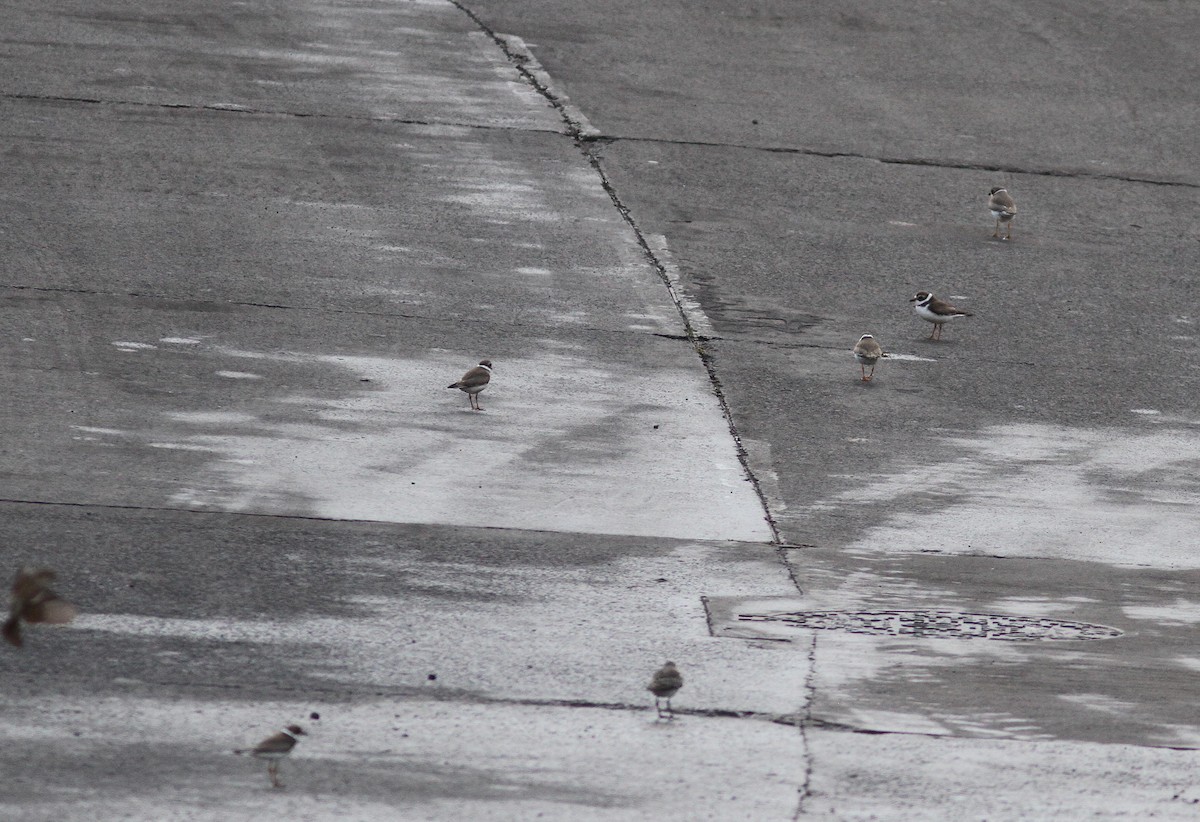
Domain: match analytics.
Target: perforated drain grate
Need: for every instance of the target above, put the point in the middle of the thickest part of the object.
(939, 624)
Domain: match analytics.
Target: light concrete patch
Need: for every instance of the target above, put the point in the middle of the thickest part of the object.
(1180, 612)
(563, 444)
(1129, 498)
(910, 778)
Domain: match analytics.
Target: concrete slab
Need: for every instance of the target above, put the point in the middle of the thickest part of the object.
(249, 248)
(1013, 369)
(902, 777)
(408, 220)
(422, 60)
(257, 410)
(389, 759)
(379, 173)
(943, 84)
(810, 169)
(446, 664)
(176, 598)
(497, 229)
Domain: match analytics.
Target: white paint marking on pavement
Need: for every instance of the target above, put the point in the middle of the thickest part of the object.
(690, 307)
(574, 115)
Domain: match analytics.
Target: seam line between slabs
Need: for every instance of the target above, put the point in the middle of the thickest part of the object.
(583, 134)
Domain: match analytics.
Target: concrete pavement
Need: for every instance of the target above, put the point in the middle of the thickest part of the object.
(246, 250)
(248, 246)
(811, 167)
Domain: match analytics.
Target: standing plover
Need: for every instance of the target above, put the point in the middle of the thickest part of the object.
(665, 683)
(867, 352)
(33, 601)
(1001, 204)
(938, 312)
(475, 381)
(273, 749)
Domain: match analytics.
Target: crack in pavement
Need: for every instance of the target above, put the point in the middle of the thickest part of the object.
(237, 108)
(323, 309)
(900, 161)
(347, 692)
(803, 721)
(585, 135)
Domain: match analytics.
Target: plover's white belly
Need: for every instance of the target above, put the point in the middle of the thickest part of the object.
(924, 313)
(1001, 215)
(270, 756)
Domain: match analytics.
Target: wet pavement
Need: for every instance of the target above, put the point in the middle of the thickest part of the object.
(306, 413)
(247, 247)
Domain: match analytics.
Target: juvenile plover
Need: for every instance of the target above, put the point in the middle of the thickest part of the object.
(273, 749)
(665, 683)
(1001, 204)
(867, 352)
(34, 602)
(475, 381)
(938, 312)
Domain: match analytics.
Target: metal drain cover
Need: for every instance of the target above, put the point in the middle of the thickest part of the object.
(938, 624)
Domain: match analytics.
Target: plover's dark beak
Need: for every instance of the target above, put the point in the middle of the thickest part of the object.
(912, 299)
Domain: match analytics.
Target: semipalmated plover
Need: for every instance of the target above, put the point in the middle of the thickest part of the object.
(1001, 204)
(273, 749)
(475, 381)
(938, 312)
(33, 601)
(665, 683)
(867, 352)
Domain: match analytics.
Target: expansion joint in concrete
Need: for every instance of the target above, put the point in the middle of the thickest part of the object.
(587, 140)
(324, 309)
(899, 161)
(234, 108)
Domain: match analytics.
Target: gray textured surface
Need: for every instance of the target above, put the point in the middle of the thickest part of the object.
(245, 247)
